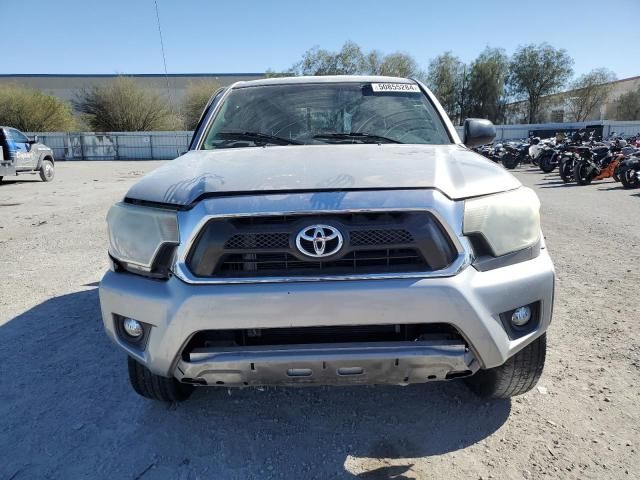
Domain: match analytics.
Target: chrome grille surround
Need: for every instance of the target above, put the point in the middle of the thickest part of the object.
(447, 212)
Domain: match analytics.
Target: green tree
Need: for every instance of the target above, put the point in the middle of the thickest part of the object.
(33, 111)
(275, 74)
(396, 64)
(348, 61)
(351, 60)
(487, 77)
(445, 78)
(536, 71)
(628, 106)
(195, 99)
(588, 92)
(124, 106)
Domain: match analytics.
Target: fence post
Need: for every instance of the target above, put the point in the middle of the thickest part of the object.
(151, 147)
(66, 142)
(82, 146)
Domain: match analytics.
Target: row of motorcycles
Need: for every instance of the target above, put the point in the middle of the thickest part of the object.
(579, 157)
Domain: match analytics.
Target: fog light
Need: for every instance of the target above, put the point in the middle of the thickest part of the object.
(132, 327)
(521, 316)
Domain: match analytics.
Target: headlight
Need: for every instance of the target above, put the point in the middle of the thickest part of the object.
(137, 235)
(508, 221)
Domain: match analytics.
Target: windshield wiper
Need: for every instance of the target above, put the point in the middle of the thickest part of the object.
(357, 136)
(257, 137)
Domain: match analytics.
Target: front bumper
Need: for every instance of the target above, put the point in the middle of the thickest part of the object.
(470, 301)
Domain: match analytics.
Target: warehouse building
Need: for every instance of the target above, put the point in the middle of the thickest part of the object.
(554, 107)
(67, 86)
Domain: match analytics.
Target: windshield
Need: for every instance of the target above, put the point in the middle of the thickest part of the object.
(325, 113)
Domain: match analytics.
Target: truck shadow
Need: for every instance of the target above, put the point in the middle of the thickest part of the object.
(67, 406)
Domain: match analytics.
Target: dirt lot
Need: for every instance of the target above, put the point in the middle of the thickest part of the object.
(67, 411)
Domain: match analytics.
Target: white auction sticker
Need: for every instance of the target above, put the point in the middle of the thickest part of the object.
(395, 87)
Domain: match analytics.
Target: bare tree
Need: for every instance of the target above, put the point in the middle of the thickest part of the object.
(196, 98)
(124, 106)
(588, 92)
(33, 111)
(539, 70)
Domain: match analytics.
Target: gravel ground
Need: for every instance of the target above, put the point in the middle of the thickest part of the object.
(67, 411)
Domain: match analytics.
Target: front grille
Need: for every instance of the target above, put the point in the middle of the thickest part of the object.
(380, 237)
(266, 241)
(260, 241)
(365, 261)
(374, 243)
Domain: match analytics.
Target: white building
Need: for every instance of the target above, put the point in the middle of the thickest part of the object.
(554, 107)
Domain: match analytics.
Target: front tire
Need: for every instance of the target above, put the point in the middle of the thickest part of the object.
(46, 171)
(584, 173)
(566, 170)
(547, 165)
(154, 386)
(517, 376)
(629, 178)
(509, 161)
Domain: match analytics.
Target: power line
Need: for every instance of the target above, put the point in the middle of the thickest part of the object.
(164, 59)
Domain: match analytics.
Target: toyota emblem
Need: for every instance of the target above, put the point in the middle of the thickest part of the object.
(319, 241)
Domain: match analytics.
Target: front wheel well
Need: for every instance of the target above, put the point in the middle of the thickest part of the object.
(46, 156)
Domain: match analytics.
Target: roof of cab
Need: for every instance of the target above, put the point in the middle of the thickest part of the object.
(322, 79)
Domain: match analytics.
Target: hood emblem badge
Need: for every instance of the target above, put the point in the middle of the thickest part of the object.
(319, 241)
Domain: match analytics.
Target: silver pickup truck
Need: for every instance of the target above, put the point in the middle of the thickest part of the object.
(20, 154)
(329, 230)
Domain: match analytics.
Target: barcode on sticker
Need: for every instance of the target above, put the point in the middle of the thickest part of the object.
(395, 87)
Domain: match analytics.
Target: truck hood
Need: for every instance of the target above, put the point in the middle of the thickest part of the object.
(452, 169)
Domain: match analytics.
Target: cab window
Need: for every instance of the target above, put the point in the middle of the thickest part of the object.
(17, 136)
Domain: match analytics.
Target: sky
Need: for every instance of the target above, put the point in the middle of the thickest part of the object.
(251, 36)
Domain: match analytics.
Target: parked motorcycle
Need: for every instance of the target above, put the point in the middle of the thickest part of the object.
(601, 164)
(542, 154)
(498, 152)
(629, 172)
(486, 151)
(568, 161)
(515, 154)
(571, 152)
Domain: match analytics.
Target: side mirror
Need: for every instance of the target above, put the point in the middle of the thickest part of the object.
(33, 140)
(478, 131)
